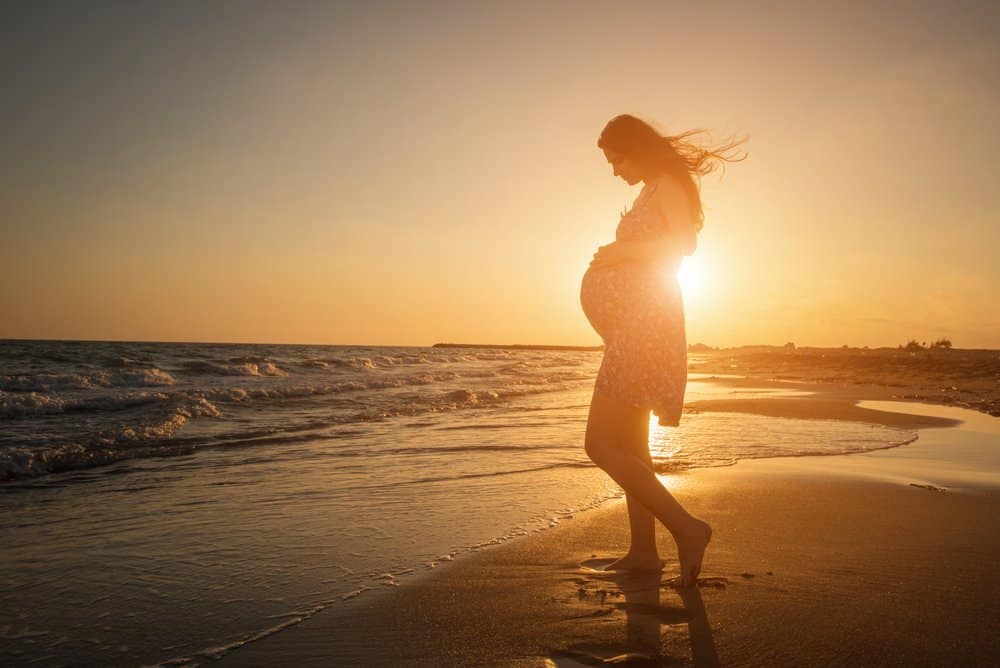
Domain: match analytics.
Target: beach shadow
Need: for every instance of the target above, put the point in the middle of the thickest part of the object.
(640, 594)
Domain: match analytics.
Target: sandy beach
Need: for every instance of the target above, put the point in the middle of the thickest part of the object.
(881, 558)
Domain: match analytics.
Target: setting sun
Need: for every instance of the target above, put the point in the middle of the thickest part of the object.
(690, 276)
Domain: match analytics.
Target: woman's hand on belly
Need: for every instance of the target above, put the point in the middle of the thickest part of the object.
(614, 253)
(651, 251)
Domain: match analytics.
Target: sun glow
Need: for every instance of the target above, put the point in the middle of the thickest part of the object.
(690, 277)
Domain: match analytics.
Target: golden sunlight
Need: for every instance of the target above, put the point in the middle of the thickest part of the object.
(690, 277)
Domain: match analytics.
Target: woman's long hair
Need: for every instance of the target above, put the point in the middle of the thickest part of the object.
(675, 155)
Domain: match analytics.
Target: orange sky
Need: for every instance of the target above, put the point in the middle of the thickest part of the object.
(401, 175)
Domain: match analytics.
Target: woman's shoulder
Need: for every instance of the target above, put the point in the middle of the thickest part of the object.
(658, 192)
(667, 186)
(670, 198)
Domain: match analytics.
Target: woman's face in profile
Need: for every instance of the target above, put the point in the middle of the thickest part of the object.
(623, 167)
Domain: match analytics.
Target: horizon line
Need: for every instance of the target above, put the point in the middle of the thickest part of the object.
(703, 347)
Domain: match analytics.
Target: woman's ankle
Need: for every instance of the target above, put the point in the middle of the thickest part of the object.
(686, 526)
(644, 552)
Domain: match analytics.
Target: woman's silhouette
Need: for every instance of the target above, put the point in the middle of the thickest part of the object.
(631, 295)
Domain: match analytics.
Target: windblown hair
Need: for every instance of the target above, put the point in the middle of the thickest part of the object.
(675, 155)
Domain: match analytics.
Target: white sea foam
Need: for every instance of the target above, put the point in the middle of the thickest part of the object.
(257, 369)
(49, 382)
(240, 368)
(15, 405)
(18, 405)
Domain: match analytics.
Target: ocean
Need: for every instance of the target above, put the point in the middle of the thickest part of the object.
(164, 503)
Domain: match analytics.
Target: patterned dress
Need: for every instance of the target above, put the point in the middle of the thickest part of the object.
(637, 309)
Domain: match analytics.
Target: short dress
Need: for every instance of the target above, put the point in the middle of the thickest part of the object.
(637, 309)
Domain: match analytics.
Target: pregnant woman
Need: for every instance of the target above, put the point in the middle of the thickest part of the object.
(631, 295)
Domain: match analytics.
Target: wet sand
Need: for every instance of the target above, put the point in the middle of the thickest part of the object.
(886, 557)
(964, 378)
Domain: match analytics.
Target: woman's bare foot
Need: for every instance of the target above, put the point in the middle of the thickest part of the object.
(691, 546)
(631, 562)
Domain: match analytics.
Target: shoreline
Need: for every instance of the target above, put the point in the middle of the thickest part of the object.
(533, 601)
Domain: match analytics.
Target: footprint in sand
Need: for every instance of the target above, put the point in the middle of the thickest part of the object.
(575, 659)
(596, 565)
(710, 582)
(600, 566)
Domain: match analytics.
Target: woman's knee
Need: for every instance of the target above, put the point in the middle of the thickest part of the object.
(600, 429)
(596, 449)
(614, 426)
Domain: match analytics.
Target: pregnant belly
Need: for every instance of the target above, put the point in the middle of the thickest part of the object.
(603, 294)
(610, 296)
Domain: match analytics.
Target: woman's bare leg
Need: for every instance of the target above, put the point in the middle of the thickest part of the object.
(606, 427)
(642, 552)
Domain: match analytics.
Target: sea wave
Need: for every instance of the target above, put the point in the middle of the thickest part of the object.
(20, 405)
(17, 463)
(49, 382)
(239, 368)
(69, 405)
(33, 403)
(147, 437)
(157, 430)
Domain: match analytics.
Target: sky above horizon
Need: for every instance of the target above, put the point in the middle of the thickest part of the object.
(410, 173)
